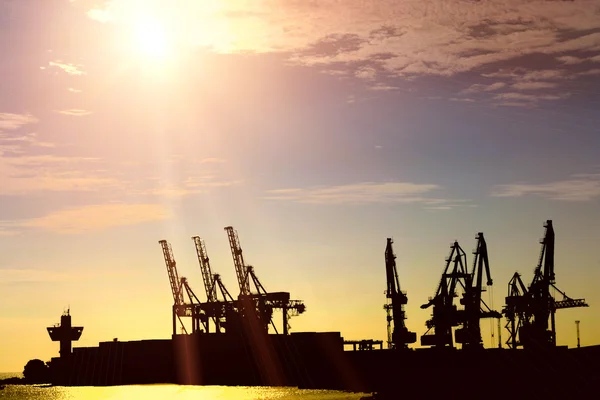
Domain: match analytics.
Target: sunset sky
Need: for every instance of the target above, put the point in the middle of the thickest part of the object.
(317, 129)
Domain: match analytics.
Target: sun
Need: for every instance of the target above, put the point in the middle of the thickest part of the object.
(151, 38)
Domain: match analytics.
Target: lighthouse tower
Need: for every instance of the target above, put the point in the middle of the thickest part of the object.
(65, 334)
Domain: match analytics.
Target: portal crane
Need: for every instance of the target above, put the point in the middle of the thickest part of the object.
(475, 308)
(260, 304)
(220, 311)
(445, 314)
(528, 310)
(516, 309)
(399, 336)
(180, 288)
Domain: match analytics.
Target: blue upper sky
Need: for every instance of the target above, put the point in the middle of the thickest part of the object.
(316, 129)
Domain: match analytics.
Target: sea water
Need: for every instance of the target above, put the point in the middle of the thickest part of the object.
(159, 392)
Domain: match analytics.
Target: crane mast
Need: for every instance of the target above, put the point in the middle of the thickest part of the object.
(398, 336)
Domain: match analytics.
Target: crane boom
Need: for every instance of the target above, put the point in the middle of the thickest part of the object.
(207, 275)
(172, 271)
(238, 261)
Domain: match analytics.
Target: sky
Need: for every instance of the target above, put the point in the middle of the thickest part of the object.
(317, 129)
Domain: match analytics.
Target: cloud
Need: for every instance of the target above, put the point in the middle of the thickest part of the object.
(360, 193)
(571, 60)
(73, 90)
(70, 69)
(583, 187)
(484, 88)
(534, 98)
(515, 104)
(368, 73)
(541, 75)
(380, 87)
(416, 37)
(190, 185)
(94, 217)
(594, 71)
(14, 143)
(30, 138)
(533, 85)
(22, 174)
(75, 112)
(462, 99)
(9, 122)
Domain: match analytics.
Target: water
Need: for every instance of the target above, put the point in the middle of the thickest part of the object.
(150, 392)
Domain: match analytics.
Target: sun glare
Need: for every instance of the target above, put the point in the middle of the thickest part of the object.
(151, 39)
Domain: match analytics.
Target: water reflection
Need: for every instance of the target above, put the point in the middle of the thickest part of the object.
(150, 392)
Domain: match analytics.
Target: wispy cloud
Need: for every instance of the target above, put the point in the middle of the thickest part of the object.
(533, 85)
(583, 187)
(191, 185)
(593, 71)
(462, 99)
(73, 90)
(9, 122)
(22, 174)
(484, 88)
(361, 193)
(515, 104)
(571, 60)
(70, 69)
(528, 97)
(93, 217)
(13, 142)
(74, 112)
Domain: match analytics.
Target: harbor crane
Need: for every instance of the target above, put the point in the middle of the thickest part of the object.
(219, 311)
(398, 336)
(185, 301)
(528, 310)
(445, 314)
(469, 335)
(259, 306)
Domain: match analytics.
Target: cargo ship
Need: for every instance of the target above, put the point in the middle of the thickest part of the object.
(229, 341)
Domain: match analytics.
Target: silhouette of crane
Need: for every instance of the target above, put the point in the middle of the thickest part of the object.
(528, 310)
(185, 301)
(445, 314)
(469, 335)
(258, 306)
(399, 336)
(222, 312)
